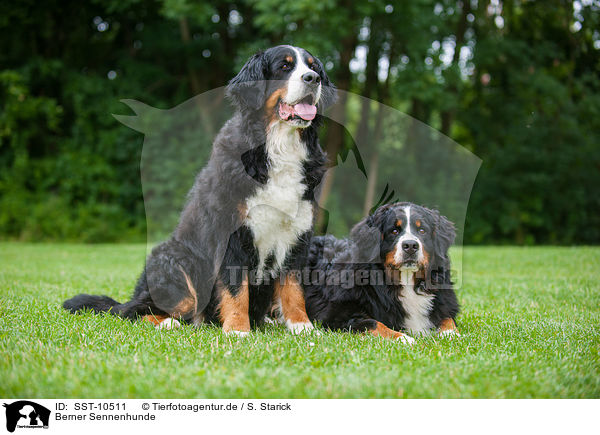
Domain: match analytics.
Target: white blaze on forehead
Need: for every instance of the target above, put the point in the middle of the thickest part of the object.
(403, 237)
(301, 67)
(407, 235)
(407, 212)
(296, 86)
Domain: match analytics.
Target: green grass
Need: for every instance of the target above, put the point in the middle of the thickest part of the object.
(530, 324)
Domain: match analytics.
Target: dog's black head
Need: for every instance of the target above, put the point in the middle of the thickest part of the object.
(282, 83)
(407, 237)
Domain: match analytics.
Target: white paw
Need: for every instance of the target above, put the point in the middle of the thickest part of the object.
(406, 339)
(240, 334)
(450, 334)
(302, 327)
(169, 323)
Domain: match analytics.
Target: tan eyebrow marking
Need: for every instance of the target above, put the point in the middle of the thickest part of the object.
(418, 223)
(289, 58)
(310, 60)
(399, 223)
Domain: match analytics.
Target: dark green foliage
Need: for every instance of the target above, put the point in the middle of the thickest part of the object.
(525, 97)
(536, 127)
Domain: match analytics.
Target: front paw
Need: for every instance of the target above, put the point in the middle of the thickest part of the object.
(240, 334)
(168, 323)
(297, 328)
(405, 339)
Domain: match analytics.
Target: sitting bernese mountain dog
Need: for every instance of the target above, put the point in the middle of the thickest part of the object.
(392, 274)
(250, 212)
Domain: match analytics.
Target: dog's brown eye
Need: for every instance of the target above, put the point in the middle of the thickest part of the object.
(422, 231)
(395, 231)
(285, 67)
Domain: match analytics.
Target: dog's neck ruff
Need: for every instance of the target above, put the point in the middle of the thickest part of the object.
(277, 214)
(417, 306)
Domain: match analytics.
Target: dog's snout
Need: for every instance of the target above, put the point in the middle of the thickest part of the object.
(311, 78)
(410, 246)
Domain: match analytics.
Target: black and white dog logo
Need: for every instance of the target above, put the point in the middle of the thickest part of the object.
(26, 414)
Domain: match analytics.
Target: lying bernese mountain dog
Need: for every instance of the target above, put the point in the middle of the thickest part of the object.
(391, 275)
(250, 211)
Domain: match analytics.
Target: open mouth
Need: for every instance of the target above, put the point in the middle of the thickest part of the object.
(304, 110)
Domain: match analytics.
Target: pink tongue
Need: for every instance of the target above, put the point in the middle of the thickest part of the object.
(285, 111)
(306, 111)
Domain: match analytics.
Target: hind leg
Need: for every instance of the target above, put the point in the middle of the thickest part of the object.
(170, 275)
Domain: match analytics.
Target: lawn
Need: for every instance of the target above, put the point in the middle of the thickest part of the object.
(530, 324)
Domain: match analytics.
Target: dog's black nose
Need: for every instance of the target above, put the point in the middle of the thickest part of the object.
(410, 246)
(311, 77)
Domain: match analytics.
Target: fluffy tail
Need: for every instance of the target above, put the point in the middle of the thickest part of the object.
(140, 305)
(95, 303)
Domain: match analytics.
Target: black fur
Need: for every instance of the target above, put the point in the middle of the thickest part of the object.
(358, 306)
(211, 236)
(256, 163)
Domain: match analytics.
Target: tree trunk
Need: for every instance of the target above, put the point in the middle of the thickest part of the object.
(334, 140)
(373, 169)
(447, 116)
(184, 29)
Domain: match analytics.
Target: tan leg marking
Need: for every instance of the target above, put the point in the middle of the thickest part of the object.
(448, 327)
(189, 303)
(155, 319)
(160, 321)
(290, 298)
(233, 310)
(383, 331)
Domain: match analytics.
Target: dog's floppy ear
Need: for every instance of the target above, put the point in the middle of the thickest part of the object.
(328, 91)
(439, 273)
(247, 89)
(443, 237)
(367, 236)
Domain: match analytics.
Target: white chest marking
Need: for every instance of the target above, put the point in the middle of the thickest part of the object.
(417, 308)
(277, 214)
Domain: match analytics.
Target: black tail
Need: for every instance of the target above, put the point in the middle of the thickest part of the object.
(140, 304)
(95, 303)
